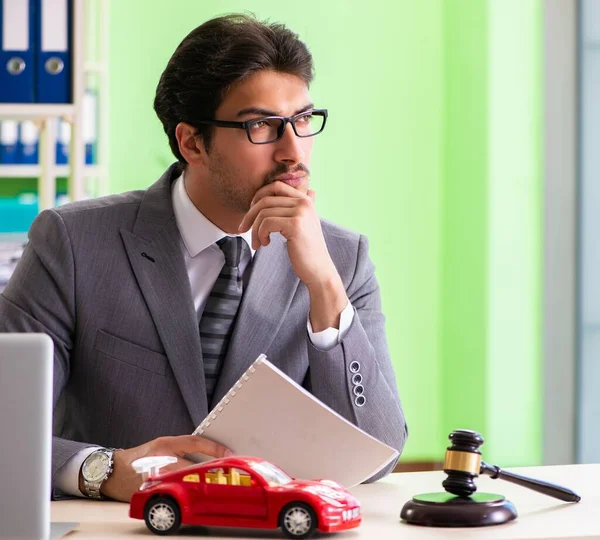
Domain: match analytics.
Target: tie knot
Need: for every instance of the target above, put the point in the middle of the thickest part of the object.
(232, 247)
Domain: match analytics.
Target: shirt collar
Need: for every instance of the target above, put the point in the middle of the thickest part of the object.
(196, 230)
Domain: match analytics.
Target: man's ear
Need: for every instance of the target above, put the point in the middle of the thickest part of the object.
(190, 144)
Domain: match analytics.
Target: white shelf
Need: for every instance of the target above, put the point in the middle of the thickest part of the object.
(35, 171)
(34, 111)
(93, 67)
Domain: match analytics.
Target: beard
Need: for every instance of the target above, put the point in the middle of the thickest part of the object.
(233, 192)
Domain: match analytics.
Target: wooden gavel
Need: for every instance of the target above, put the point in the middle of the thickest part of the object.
(463, 464)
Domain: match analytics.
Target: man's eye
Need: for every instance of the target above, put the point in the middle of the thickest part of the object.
(261, 124)
(305, 119)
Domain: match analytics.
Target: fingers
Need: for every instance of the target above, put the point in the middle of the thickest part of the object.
(262, 204)
(270, 207)
(270, 225)
(125, 481)
(189, 444)
(269, 213)
(181, 463)
(278, 189)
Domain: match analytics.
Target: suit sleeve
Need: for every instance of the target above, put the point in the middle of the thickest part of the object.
(362, 351)
(40, 297)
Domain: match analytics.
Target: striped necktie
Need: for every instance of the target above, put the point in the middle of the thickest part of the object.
(218, 318)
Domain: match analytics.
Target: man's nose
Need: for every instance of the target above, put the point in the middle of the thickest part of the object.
(289, 147)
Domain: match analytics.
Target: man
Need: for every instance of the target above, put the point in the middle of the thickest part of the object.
(158, 300)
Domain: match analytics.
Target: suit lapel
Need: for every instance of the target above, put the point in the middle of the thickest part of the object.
(266, 300)
(155, 253)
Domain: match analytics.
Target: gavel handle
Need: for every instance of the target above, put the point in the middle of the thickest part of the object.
(558, 492)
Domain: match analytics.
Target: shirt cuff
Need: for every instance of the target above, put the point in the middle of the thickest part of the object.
(67, 478)
(330, 337)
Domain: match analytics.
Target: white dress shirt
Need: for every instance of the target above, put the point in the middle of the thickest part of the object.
(203, 262)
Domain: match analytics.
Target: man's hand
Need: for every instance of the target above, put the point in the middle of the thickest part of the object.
(278, 207)
(124, 481)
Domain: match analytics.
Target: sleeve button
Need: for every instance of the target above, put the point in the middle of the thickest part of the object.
(354, 367)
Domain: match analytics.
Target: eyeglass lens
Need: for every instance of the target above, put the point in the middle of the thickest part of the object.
(269, 129)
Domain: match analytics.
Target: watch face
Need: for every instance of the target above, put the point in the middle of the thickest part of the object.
(95, 467)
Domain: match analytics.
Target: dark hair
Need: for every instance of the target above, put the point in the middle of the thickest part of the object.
(212, 58)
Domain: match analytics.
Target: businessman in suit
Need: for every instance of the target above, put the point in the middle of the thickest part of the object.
(158, 300)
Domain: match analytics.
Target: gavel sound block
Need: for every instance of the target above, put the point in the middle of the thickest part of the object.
(460, 506)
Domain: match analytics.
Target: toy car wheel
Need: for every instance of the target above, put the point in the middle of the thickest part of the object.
(298, 520)
(162, 515)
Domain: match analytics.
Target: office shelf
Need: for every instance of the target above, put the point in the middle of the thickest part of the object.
(90, 18)
(34, 111)
(93, 67)
(35, 171)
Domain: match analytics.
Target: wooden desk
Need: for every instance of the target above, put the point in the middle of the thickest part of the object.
(540, 517)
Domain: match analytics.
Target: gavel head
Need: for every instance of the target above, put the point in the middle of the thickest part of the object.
(462, 462)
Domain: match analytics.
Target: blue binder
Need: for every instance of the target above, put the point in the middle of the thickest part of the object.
(90, 125)
(63, 141)
(90, 133)
(53, 51)
(9, 136)
(28, 148)
(17, 31)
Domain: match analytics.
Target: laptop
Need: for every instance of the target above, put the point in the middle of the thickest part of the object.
(26, 366)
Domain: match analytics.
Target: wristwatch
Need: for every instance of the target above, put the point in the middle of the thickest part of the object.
(95, 470)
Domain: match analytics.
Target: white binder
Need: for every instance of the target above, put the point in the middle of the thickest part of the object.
(268, 415)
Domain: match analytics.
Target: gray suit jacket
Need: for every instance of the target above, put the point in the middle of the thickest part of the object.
(106, 280)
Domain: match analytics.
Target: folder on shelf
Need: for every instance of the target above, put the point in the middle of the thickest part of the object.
(9, 138)
(53, 51)
(16, 51)
(28, 147)
(90, 125)
(89, 129)
(63, 141)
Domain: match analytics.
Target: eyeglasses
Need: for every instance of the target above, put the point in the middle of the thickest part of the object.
(270, 129)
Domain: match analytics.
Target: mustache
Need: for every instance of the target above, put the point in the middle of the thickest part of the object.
(284, 169)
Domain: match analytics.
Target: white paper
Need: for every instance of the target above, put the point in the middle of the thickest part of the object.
(268, 415)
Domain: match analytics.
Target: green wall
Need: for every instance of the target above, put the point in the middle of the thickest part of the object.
(441, 172)
(491, 263)
(515, 231)
(463, 305)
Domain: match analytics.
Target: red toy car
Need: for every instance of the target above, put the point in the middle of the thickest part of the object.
(243, 492)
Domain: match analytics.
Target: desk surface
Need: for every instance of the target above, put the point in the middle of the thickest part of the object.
(540, 517)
